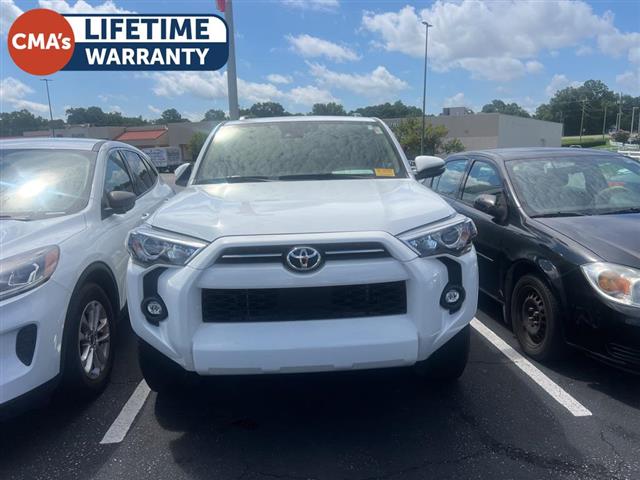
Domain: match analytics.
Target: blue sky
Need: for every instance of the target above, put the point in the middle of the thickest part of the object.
(299, 52)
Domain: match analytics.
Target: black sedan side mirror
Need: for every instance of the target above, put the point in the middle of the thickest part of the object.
(121, 202)
(491, 205)
(182, 173)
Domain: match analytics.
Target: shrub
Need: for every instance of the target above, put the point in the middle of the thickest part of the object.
(621, 136)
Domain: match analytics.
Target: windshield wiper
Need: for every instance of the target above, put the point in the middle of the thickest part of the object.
(622, 210)
(236, 179)
(19, 219)
(560, 214)
(324, 176)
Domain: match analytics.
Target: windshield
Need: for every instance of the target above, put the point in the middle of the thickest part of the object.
(584, 185)
(303, 150)
(39, 183)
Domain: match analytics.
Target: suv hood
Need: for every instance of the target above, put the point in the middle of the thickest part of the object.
(289, 207)
(21, 236)
(614, 238)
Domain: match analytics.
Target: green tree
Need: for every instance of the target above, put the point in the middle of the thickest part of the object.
(196, 143)
(214, 115)
(409, 131)
(389, 110)
(566, 107)
(264, 109)
(498, 106)
(19, 121)
(96, 116)
(171, 115)
(330, 108)
(452, 146)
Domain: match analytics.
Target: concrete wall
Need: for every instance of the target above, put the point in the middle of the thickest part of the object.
(528, 132)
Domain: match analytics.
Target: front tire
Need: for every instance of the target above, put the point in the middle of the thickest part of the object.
(162, 374)
(448, 362)
(88, 341)
(536, 317)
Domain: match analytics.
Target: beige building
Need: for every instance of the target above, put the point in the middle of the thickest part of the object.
(481, 131)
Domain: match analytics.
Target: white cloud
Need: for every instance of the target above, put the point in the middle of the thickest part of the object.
(457, 100)
(310, 94)
(9, 11)
(584, 50)
(379, 83)
(257, 92)
(318, 5)
(155, 110)
(115, 108)
(617, 44)
(558, 82)
(277, 78)
(13, 93)
(468, 34)
(80, 6)
(629, 81)
(533, 66)
(313, 47)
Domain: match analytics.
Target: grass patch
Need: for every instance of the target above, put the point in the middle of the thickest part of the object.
(588, 141)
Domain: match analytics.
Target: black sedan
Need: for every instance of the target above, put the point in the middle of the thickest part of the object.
(558, 244)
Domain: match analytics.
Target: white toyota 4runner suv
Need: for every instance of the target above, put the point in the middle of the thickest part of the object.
(302, 244)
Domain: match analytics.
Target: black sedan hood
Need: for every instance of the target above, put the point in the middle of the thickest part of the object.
(614, 238)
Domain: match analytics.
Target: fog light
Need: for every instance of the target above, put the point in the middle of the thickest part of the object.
(452, 298)
(154, 309)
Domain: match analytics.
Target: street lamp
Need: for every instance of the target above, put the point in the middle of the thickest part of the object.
(424, 86)
(46, 82)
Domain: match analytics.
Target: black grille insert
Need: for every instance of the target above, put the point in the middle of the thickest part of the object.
(304, 303)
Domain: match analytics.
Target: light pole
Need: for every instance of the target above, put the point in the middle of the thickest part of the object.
(424, 85)
(232, 81)
(46, 82)
(633, 117)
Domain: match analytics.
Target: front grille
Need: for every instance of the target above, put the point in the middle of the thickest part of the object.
(624, 353)
(276, 253)
(305, 303)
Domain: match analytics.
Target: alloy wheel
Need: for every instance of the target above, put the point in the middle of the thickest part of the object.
(94, 339)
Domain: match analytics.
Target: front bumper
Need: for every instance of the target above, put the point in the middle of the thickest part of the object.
(40, 315)
(303, 345)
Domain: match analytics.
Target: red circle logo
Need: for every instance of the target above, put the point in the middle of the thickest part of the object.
(41, 41)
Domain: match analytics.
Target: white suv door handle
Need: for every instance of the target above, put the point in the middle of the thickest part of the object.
(145, 215)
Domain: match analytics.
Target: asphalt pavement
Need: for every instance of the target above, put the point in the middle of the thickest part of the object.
(505, 418)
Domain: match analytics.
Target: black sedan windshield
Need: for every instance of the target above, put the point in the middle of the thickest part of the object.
(39, 183)
(299, 150)
(580, 185)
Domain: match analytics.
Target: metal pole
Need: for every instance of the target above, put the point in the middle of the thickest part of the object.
(633, 116)
(582, 121)
(424, 85)
(232, 80)
(604, 120)
(46, 82)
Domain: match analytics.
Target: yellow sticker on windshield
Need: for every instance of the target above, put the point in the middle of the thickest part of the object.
(384, 172)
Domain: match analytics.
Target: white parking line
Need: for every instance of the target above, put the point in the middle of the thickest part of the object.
(552, 388)
(122, 423)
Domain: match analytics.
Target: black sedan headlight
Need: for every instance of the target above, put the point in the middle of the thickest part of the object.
(618, 283)
(452, 237)
(152, 247)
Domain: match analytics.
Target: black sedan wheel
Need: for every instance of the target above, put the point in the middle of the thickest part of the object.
(536, 317)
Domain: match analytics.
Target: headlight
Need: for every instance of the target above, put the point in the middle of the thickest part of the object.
(453, 237)
(149, 247)
(27, 270)
(615, 282)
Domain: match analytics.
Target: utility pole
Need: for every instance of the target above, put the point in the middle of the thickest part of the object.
(619, 117)
(46, 82)
(604, 120)
(424, 85)
(582, 119)
(232, 79)
(633, 116)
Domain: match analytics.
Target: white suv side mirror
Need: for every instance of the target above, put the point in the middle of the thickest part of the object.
(428, 166)
(182, 174)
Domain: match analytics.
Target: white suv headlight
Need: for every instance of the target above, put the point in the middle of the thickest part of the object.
(452, 237)
(27, 270)
(150, 247)
(615, 282)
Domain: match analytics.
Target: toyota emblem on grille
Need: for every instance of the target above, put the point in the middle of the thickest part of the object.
(303, 259)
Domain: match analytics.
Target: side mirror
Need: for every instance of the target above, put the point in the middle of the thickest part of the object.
(427, 166)
(182, 173)
(121, 202)
(491, 205)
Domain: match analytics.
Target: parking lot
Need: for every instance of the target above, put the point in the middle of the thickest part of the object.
(578, 419)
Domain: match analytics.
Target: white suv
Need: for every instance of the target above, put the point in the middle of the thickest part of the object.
(66, 206)
(302, 244)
